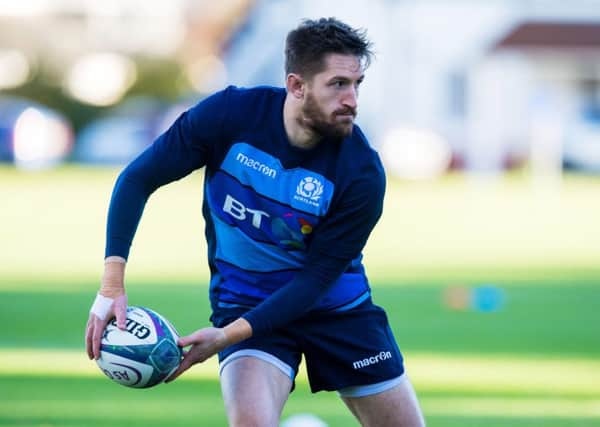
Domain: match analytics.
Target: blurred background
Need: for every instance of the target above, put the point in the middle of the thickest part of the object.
(476, 85)
(486, 114)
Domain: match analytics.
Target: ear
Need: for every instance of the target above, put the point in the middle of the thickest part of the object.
(295, 85)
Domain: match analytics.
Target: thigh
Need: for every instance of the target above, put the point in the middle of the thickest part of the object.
(350, 349)
(396, 407)
(279, 348)
(254, 392)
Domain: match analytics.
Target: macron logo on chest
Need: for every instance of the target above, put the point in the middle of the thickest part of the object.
(256, 165)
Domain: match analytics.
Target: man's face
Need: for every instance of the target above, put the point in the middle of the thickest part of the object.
(331, 97)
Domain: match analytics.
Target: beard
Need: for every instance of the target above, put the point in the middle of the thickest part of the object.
(327, 126)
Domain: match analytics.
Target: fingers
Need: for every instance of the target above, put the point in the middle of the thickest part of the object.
(204, 344)
(88, 337)
(99, 326)
(190, 358)
(186, 363)
(120, 309)
(105, 308)
(183, 366)
(187, 340)
(93, 336)
(201, 336)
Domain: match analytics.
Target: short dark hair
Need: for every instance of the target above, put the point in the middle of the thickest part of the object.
(307, 45)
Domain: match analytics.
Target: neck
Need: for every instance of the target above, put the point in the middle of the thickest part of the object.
(299, 135)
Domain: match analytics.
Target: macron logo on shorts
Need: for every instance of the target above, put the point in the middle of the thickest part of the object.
(384, 355)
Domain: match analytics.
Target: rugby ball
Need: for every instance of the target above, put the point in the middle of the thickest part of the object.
(144, 354)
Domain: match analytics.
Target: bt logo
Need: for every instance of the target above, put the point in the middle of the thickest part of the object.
(240, 212)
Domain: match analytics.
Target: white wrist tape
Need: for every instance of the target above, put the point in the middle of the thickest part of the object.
(102, 306)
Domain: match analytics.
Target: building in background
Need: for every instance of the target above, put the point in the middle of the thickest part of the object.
(458, 77)
(536, 96)
(456, 84)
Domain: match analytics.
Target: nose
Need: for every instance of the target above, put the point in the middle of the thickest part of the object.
(350, 99)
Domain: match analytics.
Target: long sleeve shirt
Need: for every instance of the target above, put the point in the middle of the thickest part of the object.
(285, 226)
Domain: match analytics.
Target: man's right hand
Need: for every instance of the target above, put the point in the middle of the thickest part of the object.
(96, 325)
(110, 302)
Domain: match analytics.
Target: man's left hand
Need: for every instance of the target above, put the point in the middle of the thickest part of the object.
(204, 344)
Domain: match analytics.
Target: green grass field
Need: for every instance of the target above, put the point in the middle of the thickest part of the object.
(534, 362)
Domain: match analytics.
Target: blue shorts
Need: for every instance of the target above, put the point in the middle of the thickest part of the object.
(353, 351)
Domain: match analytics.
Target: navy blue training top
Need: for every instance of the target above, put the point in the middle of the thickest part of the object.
(285, 226)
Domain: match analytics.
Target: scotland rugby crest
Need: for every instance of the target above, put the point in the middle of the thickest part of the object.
(310, 188)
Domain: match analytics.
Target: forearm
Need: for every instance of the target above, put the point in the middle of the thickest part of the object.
(168, 159)
(297, 297)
